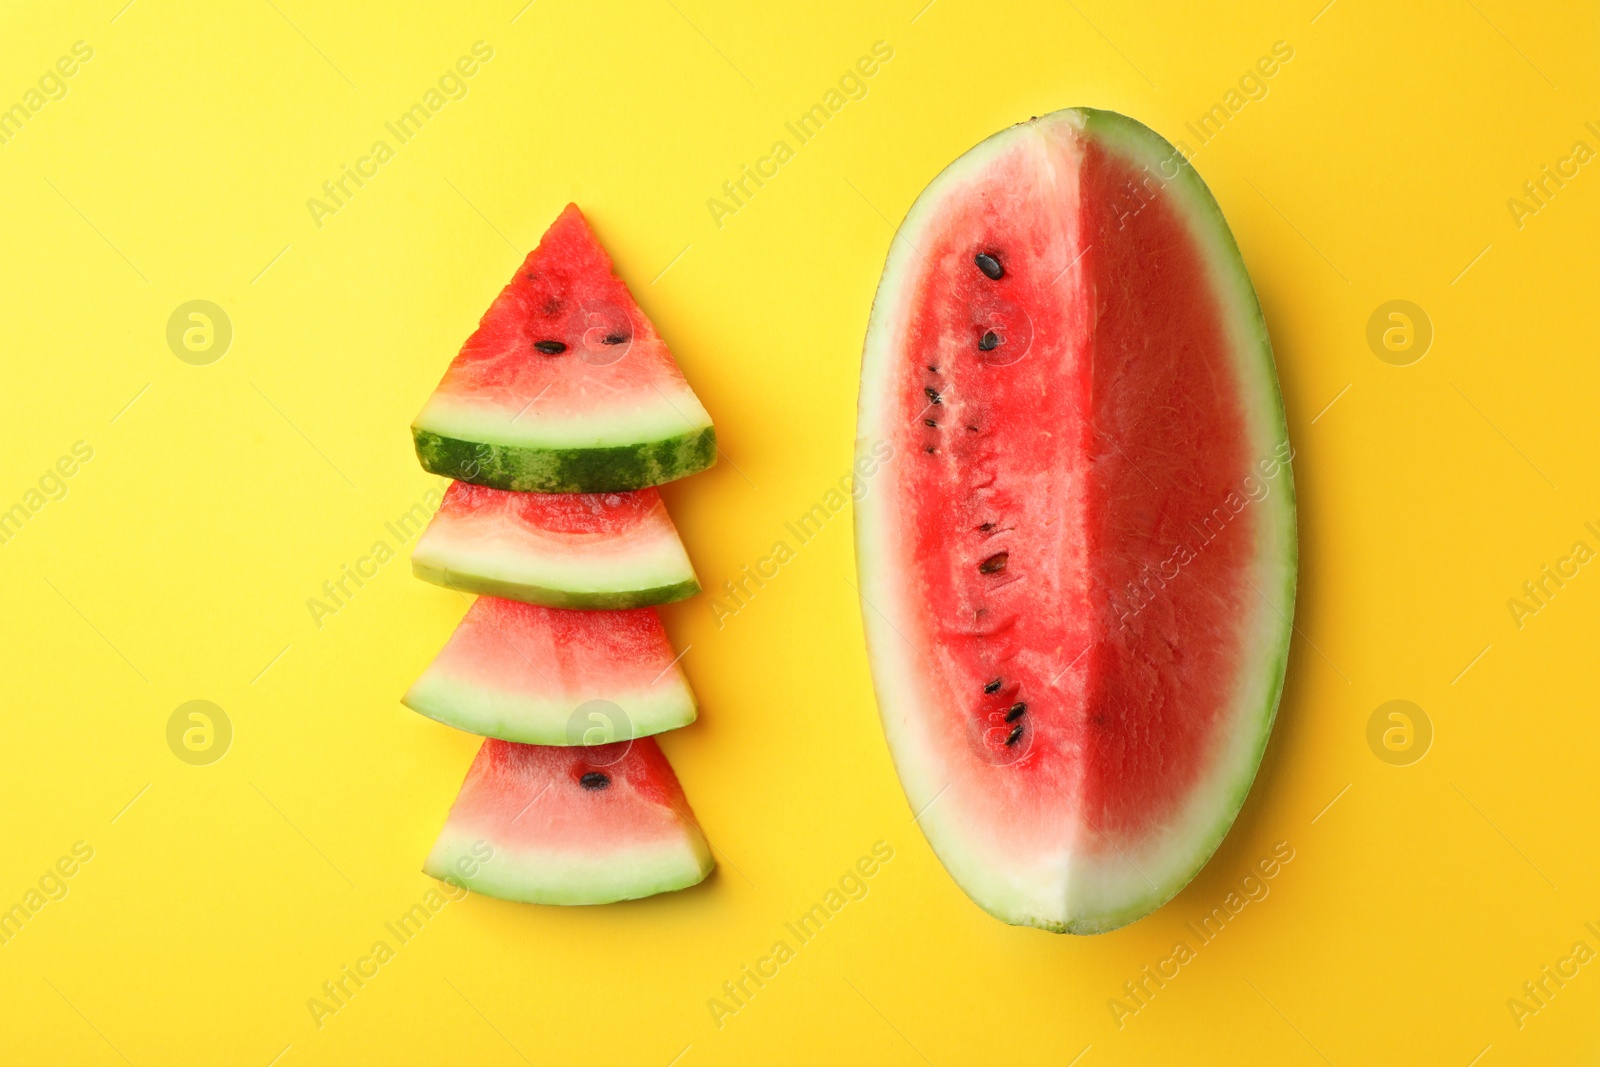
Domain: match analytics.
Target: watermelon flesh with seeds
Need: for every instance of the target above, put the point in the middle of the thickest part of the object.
(564, 550)
(565, 386)
(580, 825)
(1078, 568)
(548, 676)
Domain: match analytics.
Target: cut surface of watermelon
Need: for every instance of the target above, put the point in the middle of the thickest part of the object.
(565, 386)
(562, 550)
(1078, 574)
(570, 825)
(549, 676)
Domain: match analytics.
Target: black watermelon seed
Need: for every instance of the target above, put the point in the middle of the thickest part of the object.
(988, 341)
(595, 780)
(934, 369)
(933, 395)
(613, 339)
(989, 265)
(972, 429)
(1014, 736)
(930, 450)
(550, 348)
(1018, 710)
(995, 564)
(992, 687)
(930, 422)
(986, 527)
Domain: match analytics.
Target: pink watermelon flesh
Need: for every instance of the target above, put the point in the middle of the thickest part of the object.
(547, 676)
(568, 550)
(1079, 574)
(565, 386)
(588, 825)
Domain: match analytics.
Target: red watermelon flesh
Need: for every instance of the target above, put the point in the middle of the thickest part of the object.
(1079, 575)
(585, 825)
(565, 386)
(567, 550)
(548, 676)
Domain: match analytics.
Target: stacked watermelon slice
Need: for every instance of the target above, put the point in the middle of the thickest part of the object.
(557, 419)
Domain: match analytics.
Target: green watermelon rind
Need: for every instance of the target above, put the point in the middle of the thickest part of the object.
(597, 469)
(1212, 812)
(530, 876)
(551, 597)
(530, 720)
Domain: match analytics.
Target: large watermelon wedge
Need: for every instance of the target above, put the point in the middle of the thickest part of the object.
(546, 676)
(1078, 570)
(570, 825)
(562, 550)
(565, 387)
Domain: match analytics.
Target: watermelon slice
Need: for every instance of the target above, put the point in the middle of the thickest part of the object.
(570, 826)
(565, 387)
(546, 676)
(1078, 570)
(562, 550)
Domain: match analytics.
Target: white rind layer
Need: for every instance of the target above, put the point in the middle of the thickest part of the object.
(601, 875)
(669, 410)
(535, 719)
(514, 557)
(1085, 886)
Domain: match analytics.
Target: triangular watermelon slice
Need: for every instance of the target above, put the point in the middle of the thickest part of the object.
(565, 387)
(570, 826)
(545, 676)
(562, 550)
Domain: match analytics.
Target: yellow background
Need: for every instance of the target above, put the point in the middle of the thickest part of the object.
(178, 565)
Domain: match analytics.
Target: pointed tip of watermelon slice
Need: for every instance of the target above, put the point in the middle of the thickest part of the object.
(565, 386)
(573, 214)
(593, 825)
(571, 241)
